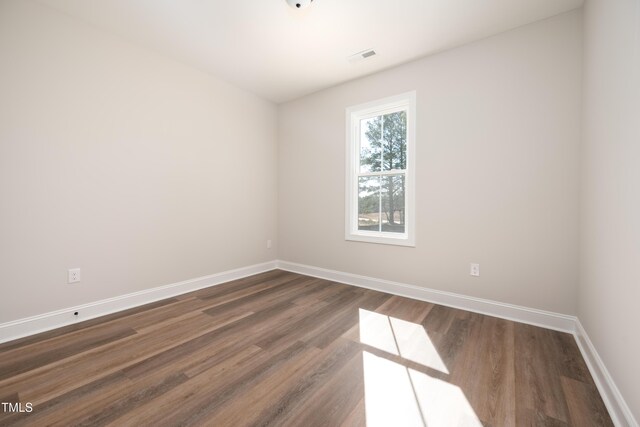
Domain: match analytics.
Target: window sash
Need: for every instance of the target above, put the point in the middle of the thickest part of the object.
(380, 112)
(355, 207)
(383, 173)
(381, 211)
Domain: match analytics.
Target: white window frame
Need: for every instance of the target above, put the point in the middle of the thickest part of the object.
(354, 116)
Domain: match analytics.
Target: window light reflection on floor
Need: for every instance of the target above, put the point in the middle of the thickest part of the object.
(399, 337)
(400, 396)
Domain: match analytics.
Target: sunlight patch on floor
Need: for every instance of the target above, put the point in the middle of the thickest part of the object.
(398, 396)
(399, 337)
(375, 330)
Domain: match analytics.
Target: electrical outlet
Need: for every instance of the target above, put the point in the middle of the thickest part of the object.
(268, 244)
(475, 270)
(74, 275)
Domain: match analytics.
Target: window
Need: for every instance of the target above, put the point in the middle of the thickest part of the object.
(380, 171)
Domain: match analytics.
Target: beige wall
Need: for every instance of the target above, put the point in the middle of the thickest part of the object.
(139, 170)
(497, 170)
(610, 204)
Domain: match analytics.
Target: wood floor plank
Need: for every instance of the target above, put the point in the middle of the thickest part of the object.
(53, 409)
(567, 354)
(56, 378)
(439, 319)
(494, 403)
(336, 399)
(136, 395)
(538, 383)
(335, 357)
(451, 344)
(201, 351)
(280, 348)
(586, 407)
(357, 417)
(534, 418)
(326, 290)
(246, 411)
(84, 404)
(286, 292)
(84, 325)
(36, 355)
(214, 389)
(340, 324)
(407, 309)
(313, 321)
(8, 418)
(234, 285)
(160, 410)
(475, 375)
(258, 289)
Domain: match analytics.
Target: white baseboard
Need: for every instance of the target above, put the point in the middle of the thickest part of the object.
(545, 319)
(616, 405)
(55, 319)
(618, 409)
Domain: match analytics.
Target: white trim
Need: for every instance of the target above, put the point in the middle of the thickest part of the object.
(353, 117)
(532, 316)
(55, 319)
(618, 409)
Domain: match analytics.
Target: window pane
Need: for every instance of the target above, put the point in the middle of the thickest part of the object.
(393, 213)
(394, 145)
(370, 145)
(369, 203)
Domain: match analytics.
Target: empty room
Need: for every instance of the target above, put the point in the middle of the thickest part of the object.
(320, 213)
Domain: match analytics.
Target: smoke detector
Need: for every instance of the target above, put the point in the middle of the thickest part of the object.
(299, 4)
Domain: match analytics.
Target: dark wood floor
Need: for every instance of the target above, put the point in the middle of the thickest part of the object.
(284, 349)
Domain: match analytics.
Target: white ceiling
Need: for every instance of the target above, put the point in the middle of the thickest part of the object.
(280, 53)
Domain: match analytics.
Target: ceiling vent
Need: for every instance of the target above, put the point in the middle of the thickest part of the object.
(360, 56)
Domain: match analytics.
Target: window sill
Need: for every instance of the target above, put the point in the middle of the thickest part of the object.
(395, 241)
